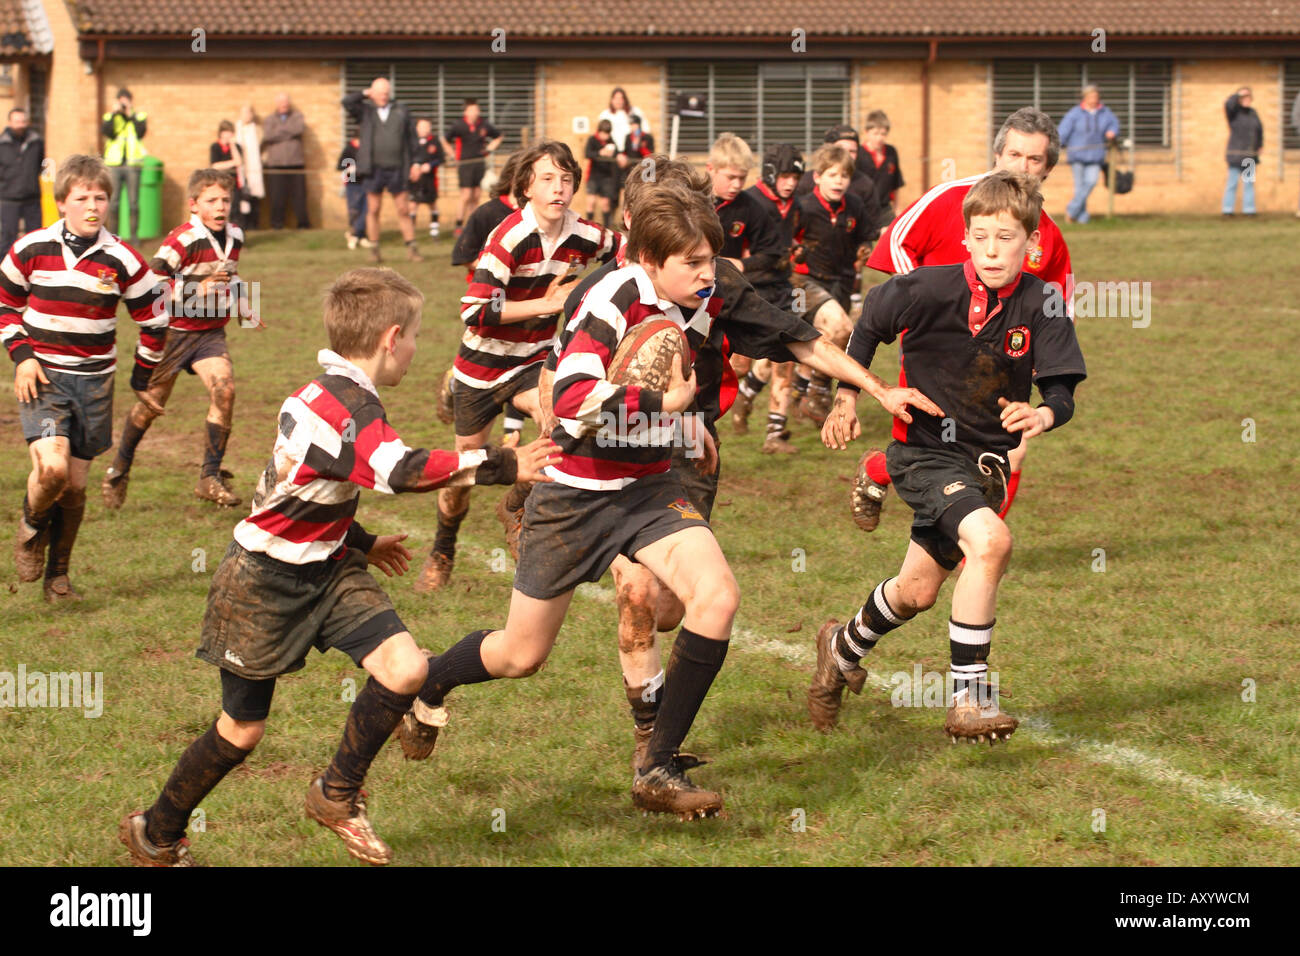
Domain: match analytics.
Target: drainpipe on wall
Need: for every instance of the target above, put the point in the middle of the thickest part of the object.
(925, 116)
(99, 97)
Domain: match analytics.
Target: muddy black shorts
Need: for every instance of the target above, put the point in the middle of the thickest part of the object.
(943, 487)
(470, 173)
(477, 408)
(264, 615)
(817, 292)
(604, 184)
(701, 490)
(571, 535)
(76, 407)
(183, 349)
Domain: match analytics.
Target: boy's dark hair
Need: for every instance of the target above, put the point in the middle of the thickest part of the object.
(877, 119)
(363, 304)
(1004, 191)
(1029, 121)
(604, 126)
(225, 125)
(842, 131)
(470, 101)
(658, 169)
(80, 168)
(201, 179)
(671, 220)
(505, 184)
(17, 109)
(560, 155)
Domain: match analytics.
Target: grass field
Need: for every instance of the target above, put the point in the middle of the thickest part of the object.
(1130, 679)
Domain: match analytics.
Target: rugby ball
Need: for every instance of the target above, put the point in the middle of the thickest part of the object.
(646, 354)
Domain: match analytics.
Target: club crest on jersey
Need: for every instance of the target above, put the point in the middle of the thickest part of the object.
(737, 228)
(1034, 257)
(850, 224)
(686, 509)
(105, 283)
(1016, 343)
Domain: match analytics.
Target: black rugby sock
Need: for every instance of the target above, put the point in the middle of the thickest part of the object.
(131, 435)
(444, 541)
(214, 449)
(644, 699)
(36, 520)
(874, 620)
(462, 663)
(751, 384)
(201, 767)
(694, 663)
(66, 521)
(969, 644)
(374, 716)
(775, 424)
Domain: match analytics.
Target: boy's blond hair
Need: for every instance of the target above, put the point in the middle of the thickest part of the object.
(730, 151)
(830, 156)
(363, 304)
(671, 220)
(201, 179)
(1005, 191)
(84, 170)
(657, 169)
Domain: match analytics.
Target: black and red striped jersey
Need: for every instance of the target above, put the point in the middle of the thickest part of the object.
(189, 254)
(61, 308)
(517, 264)
(333, 440)
(964, 346)
(775, 272)
(611, 435)
(470, 142)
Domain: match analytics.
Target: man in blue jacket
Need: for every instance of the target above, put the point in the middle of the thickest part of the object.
(1085, 133)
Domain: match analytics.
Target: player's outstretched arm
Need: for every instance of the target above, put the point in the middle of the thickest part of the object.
(389, 554)
(842, 425)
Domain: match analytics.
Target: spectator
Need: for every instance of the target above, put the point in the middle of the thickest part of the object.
(386, 159)
(1245, 140)
(22, 152)
(248, 134)
(354, 190)
(469, 139)
(284, 164)
(124, 128)
(226, 156)
(1085, 133)
(620, 115)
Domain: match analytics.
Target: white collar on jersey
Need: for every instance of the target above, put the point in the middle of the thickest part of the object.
(335, 364)
(197, 221)
(699, 320)
(529, 219)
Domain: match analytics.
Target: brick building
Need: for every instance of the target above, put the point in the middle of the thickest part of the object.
(946, 71)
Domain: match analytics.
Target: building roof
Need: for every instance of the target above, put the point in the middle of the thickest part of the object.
(575, 19)
(24, 30)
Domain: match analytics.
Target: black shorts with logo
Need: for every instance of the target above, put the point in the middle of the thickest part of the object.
(470, 173)
(76, 407)
(572, 535)
(264, 615)
(943, 487)
(183, 349)
(477, 408)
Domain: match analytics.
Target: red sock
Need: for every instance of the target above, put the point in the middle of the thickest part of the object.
(1013, 483)
(876, 469)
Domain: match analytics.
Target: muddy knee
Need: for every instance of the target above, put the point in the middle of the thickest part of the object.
(223, 397)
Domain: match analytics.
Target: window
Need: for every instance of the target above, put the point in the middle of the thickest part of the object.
(1290, 90)
(1137, 91)
(436, 91)
(763, 103)
(38, 88)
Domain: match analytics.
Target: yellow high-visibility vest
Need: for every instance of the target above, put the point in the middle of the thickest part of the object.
(124, 141)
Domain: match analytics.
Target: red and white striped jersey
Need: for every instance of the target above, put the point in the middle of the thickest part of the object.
(517, 264)
(931, 232)
(188, 255)
(61, 308)
(334, 440)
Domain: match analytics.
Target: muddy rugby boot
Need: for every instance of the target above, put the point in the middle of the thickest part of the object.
(974, 716)
(867, 496)
(131, 831)
(667, 789)
(348, 819)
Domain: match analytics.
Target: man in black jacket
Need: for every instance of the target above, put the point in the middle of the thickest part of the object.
(385, 158)
(22, 151)
(1245, 141)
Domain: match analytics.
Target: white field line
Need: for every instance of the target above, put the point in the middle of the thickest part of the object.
(1152, 769)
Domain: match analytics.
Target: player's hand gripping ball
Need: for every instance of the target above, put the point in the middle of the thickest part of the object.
(646, 354)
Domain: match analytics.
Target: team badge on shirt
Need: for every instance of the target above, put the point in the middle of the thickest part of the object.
(737, 227)
(686, 509)
(851, 223)
(1016, 343)
(1034, 257)
(105, 283)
